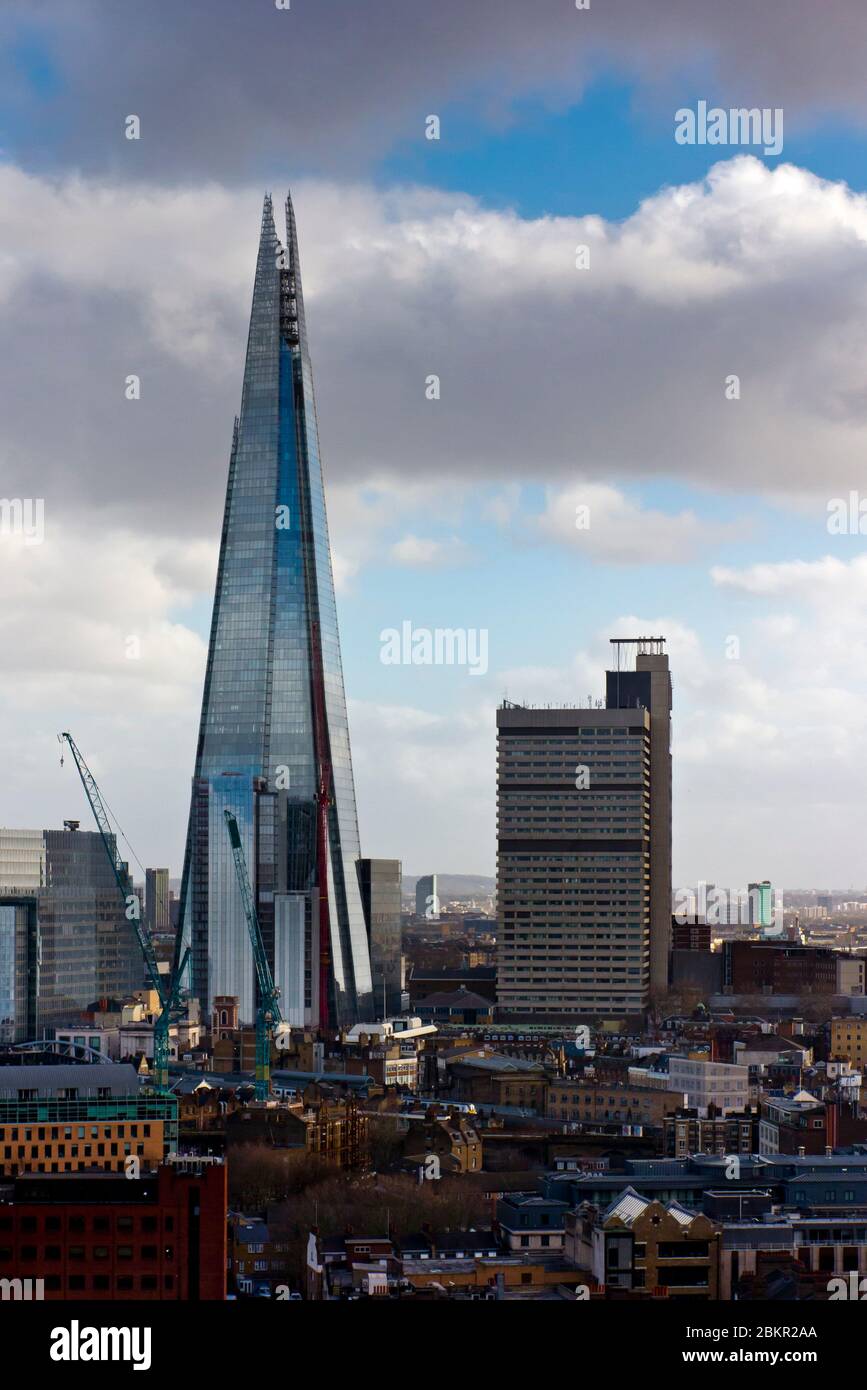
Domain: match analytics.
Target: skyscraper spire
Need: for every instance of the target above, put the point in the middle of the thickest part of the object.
(273, 728)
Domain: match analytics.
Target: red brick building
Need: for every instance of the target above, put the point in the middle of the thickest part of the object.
(760, 967)
(102, 1236)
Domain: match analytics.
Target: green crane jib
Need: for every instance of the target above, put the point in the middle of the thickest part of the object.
(168, 990)
(268, 1015)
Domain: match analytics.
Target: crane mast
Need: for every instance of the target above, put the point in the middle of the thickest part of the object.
(168, 992)
(268, 1014)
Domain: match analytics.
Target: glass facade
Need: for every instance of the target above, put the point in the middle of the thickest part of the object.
(380, 881)
(9, 992)
(273, 662)
(64, 939)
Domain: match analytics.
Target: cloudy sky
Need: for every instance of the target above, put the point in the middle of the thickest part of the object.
(593, 382)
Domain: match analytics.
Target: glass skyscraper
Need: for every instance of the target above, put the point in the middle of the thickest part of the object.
(273, 739)
(380, 881)
(64, 940)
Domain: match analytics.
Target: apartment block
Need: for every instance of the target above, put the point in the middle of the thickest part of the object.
(584, 849)
(686, 1132)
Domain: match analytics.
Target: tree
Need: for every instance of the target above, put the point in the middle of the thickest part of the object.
(386, 1204)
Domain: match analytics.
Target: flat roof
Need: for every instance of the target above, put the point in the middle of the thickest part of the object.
(85, 1078)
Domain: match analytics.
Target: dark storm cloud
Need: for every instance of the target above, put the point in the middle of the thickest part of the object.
(232, 88)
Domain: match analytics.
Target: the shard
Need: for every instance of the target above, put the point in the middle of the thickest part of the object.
(273, 739)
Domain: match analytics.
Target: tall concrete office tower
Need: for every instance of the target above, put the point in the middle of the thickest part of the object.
(584, 849)
(273, 740)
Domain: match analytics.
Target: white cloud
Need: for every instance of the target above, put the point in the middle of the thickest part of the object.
(816, 581)
(619, 370)
(603, 523)
(423, 552)
(76, 611)
(425, 784)
(360, 517)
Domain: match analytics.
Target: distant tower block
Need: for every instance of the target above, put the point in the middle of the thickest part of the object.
(427, 903)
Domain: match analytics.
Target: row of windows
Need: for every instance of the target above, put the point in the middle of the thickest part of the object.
(52, 1253)
(13, 1167)
(103, 1283)
(41, 1132)
(630, 1115)
(62, 1093)
(145, 1224)
(542, 741)
(532, 1004)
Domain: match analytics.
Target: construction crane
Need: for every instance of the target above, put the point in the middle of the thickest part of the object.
(167, 989)
(268, 1015)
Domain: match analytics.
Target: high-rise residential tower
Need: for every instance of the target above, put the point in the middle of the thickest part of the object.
(584, 849)
(273, 740)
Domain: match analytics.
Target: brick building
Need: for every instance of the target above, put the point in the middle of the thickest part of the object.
(336, 1131)
(848, 1038)
(452, 1138)
(804, 1124)
(601, 1100)
(640, 1244)
(498, 1080)
(768, 967)
(687, 1132)
(103, 1237)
